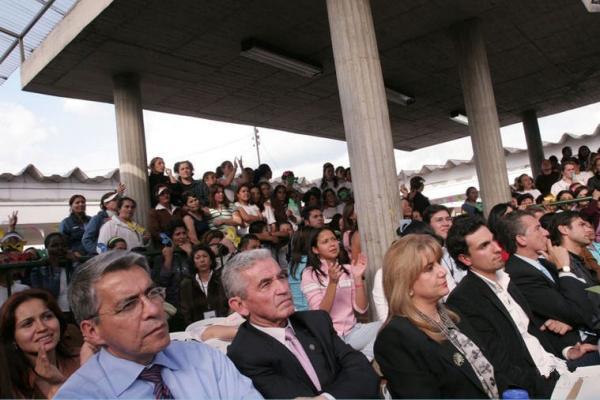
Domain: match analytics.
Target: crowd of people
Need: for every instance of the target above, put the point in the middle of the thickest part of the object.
(464, 307)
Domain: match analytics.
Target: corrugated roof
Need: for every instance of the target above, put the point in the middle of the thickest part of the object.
(76, 173)
(452, 163)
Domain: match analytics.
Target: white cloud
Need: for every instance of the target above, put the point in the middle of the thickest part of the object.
(22, 132)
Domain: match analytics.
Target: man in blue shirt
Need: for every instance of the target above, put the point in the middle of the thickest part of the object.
(120, 311)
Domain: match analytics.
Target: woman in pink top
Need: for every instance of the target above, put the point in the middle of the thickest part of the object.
(329, 283)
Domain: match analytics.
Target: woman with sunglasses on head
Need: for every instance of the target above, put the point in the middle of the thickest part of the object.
(424, 349)
(159, 175)
(34, 342)
(331, 284)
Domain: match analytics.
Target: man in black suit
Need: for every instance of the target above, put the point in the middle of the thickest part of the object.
(558, 301)
(498, 312)
(266, 346)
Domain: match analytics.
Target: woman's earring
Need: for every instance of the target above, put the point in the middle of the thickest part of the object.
(411, 293)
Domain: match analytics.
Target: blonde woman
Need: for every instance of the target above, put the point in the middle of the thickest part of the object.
(424, 350)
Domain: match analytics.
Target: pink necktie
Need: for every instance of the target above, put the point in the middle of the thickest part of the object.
(298, 350)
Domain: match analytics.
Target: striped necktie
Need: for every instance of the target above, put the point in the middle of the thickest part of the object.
(152, 374)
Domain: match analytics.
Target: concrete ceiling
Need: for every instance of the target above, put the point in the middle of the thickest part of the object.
(543, 55)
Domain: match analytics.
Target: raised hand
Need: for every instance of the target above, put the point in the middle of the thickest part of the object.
(359, 266)
(335, 272)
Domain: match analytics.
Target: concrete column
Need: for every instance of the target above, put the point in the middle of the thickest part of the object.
(535, 149)
(480, 105)
(132, 142)
(366, 124)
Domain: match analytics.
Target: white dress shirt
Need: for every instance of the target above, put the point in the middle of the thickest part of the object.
(544, 361)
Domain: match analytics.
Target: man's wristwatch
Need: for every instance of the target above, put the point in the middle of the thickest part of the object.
(565, 268)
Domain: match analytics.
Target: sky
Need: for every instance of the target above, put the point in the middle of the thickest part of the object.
(58, 134)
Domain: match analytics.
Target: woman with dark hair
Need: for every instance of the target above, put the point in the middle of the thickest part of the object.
(331, 284)
(33, 341)
(56, 275)
(312, 198)
(74, 225)
(187, 183)
(470, 205)
(331, 205)
(297, 264)
(565, 195)
(279, 203)
(329, 179)
(424, 350)
(349, 225)
(161, 216)
(222, 215)
(202, 295)
(194, 218)
(157, 176)
(249, 211)
(262, 174)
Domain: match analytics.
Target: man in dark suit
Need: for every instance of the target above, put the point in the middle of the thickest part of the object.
(288, 354)
(558, 301)
(498, 312)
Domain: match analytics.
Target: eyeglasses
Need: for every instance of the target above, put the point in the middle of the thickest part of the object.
(133, 305)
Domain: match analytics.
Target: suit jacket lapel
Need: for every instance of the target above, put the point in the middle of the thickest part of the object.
(281, 352)
(487, 292)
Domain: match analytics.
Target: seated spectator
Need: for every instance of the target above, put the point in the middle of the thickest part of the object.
(272, 346)
(297, 264)
(34, 341)
(558, 300)
(594, 182)
(331, 284)
(470, 206)
(56, 275)
(413, 346)
(313, 217)
(170, 268)
(567, 173)
(116, 243)
(108, 209)
(439, 219)
(161, 216)
(329, 179)
(228, 179)
(194, 219)
(525, 200)
(74, 225)
(262, 174)
(221, 246)
(186, 183)
(312, 198)
(222, 215)
(569, 231)
(121, 312)
(525, 186)
(201, 292)
(331, 205)
(579, 193)
(122, 225)
(416, 198)
(209, 178)
(279, 203)
(499, 313)
(565, 195)
(249, 211)
(547, 177)
(261, 231)
(159, 175)
(249, 242)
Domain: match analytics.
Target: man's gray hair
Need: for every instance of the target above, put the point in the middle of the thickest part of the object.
(82, 294)
(233, 281)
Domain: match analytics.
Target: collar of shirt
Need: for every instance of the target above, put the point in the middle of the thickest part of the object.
(202, 284)
(123, 373)
(537, 265)
(275, 332)
(161, 207)
(501, 283)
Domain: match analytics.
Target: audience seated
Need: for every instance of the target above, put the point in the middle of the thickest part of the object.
(108, 209)
(74, 225)
(120, 311)
(124, 226)
(161, 216)
(424, 349)
(498, 312)
(288, 354)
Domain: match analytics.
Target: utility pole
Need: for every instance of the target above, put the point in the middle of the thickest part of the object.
(257, 144)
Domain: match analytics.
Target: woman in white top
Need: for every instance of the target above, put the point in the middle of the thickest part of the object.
(124, 226)
(248, 212)
(525, 185)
